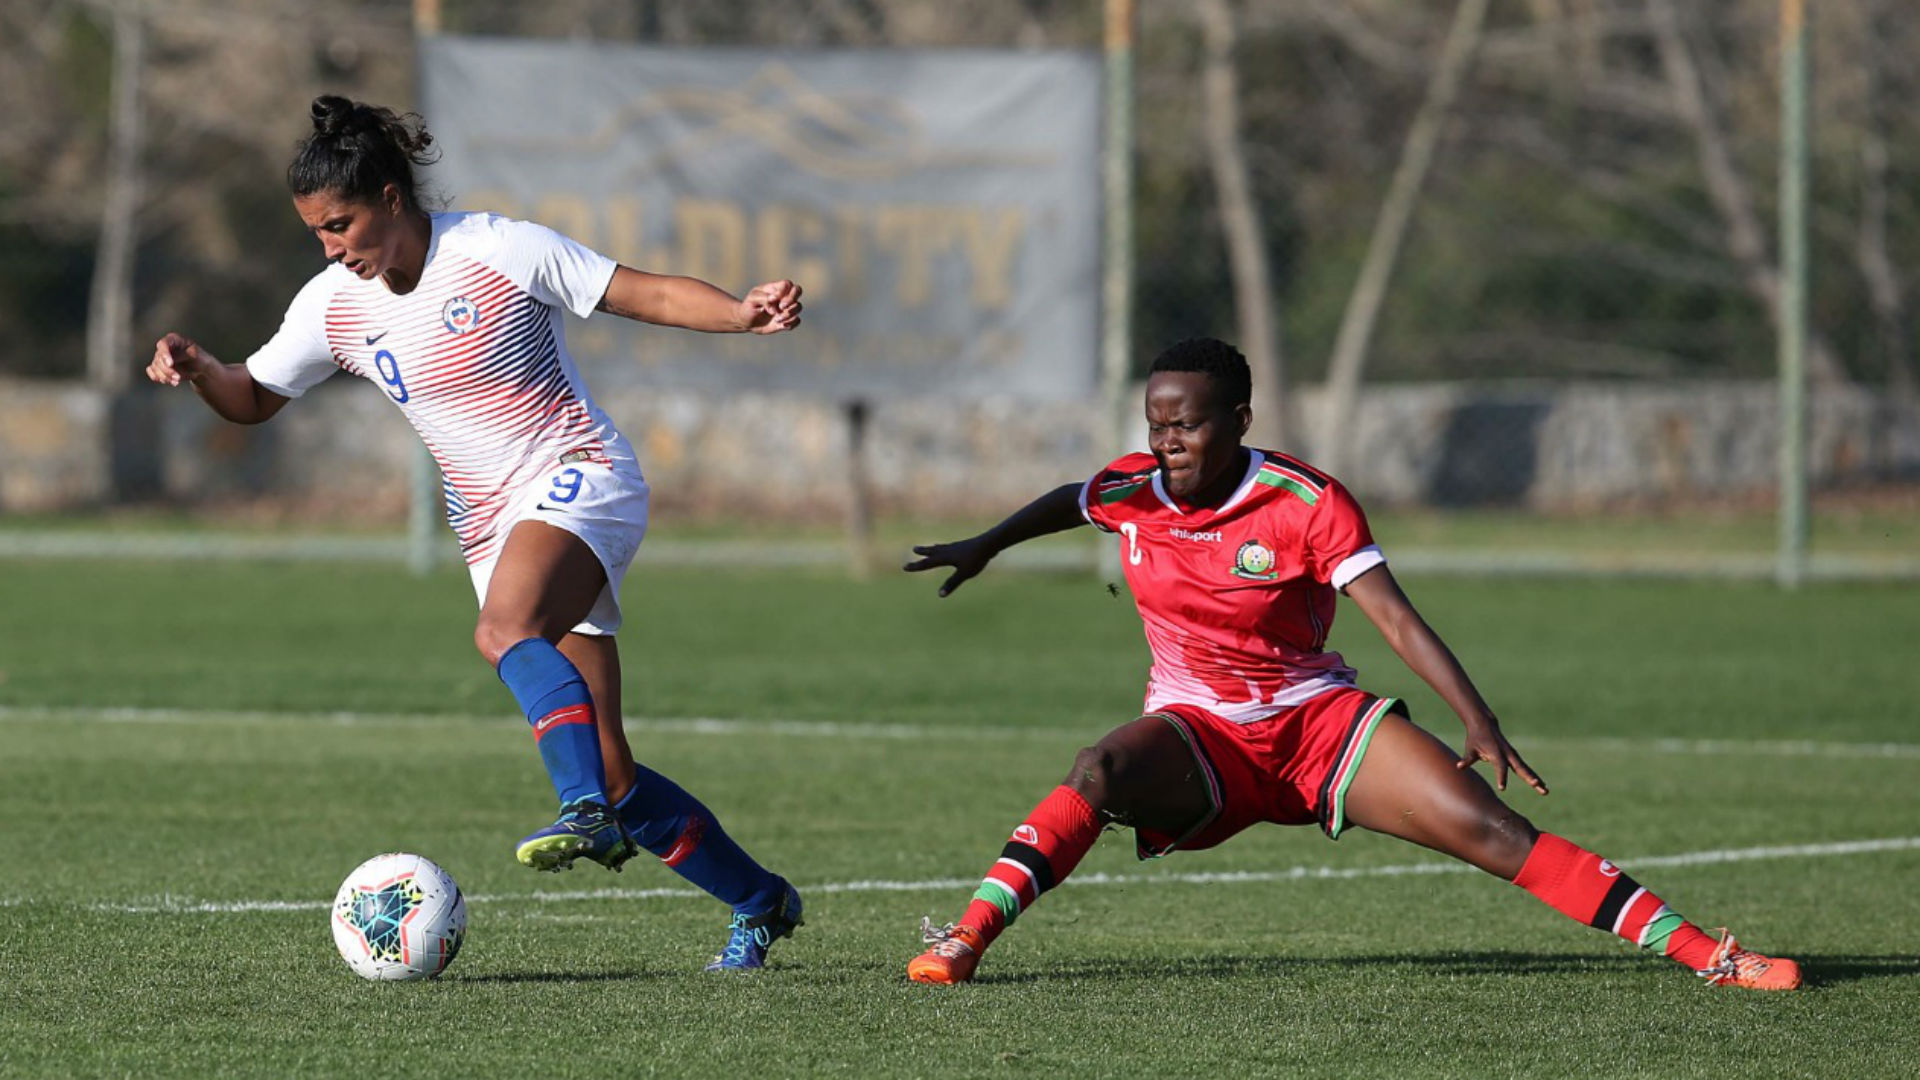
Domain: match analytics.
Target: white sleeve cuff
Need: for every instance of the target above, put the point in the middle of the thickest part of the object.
(1356, 564)
(1086, 489)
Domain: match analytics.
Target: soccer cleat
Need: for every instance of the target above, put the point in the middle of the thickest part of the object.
(954, 954)
(1732, 965)
(749, 936)
(585, 830)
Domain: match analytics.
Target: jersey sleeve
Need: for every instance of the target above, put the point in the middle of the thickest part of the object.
(297, 357)
(557, 270)
(1339, 544)
(1102, 496)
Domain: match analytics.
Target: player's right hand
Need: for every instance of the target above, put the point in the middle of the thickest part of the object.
(966, 557)
(177, 359)
(1485, 742)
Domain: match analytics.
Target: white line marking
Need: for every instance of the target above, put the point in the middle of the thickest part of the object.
(1730, 747)
(544, 916)
(830, 729)
(682, 725)
(185, 906)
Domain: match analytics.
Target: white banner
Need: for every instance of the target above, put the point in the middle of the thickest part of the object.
(940, 207)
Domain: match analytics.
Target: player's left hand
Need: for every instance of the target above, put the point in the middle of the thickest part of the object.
(1485, 742)
(770, 308)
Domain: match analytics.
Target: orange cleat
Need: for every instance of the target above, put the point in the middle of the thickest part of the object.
(1732, 965)
(954, 954)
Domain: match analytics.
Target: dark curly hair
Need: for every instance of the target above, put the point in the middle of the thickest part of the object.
(1215, 359)
(357, 149)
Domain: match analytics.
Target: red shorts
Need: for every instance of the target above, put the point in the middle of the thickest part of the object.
(1293, 768)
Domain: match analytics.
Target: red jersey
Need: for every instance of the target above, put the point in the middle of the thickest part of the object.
(1236, 600)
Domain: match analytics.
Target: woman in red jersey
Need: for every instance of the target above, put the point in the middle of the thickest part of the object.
(1233, 555)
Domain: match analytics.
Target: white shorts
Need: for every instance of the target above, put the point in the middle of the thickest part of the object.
(603, 505)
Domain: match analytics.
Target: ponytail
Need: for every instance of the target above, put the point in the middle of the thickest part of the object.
(356, 150)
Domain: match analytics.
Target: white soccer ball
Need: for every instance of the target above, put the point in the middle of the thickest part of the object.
(399, 916)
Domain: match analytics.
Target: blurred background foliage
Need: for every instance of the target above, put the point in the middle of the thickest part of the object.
(1601, 205)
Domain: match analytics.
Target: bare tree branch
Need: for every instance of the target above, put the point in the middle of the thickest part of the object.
(1886, 292)
(1240, 221)
(1383, 248)
(110, 304)
(1625, 188)
(1376, 48)
(1725, 187)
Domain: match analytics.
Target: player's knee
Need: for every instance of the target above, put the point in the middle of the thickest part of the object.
(1110, 777)
(1503, 841)
(493, 637)
(1095, 768)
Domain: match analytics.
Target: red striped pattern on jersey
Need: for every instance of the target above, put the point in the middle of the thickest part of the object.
(497, 406)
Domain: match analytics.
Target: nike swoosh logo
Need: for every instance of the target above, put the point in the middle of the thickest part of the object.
(544, 506)
(373, 339)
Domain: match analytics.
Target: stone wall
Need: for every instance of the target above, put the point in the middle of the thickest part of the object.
(1568, 446)
(53, 446)
(342, 450)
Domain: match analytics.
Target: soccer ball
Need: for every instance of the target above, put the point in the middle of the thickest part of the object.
(398, 916)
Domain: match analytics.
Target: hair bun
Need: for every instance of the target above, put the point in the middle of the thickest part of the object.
(334, 116)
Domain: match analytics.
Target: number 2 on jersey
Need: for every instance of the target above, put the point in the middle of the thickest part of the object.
(390, 374)
(1132, 532)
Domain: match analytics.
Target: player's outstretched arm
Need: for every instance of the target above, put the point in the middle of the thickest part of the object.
(227, 388)
(1379, 596)
(1056, 511)
(692, 304)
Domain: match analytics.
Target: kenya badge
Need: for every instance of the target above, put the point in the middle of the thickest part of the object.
(1254, 561)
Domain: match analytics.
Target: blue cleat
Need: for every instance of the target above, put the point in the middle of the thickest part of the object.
(752, 934)
(585, 830)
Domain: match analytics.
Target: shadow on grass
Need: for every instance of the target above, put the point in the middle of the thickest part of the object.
(1828, 970)
(1227, 964)
(784, 970)
(1819, 971)
(535, 977)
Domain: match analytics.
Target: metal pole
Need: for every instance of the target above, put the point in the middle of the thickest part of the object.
(1791, 569)
(424, 485)
(1116, 292)
(859, 492)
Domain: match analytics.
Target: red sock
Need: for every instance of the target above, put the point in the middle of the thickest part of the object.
(1589, 889)
(1044, 849)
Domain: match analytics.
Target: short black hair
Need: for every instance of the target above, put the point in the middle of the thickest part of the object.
(356, 150)
(1218, 361)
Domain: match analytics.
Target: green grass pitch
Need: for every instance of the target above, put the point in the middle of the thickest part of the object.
(194, 755)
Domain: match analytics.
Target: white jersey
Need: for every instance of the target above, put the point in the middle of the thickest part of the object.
(474, 356)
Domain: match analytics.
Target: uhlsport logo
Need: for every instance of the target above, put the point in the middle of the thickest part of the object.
(1607, 869)
(1254, 561)
(461, 315)
(1027, 835)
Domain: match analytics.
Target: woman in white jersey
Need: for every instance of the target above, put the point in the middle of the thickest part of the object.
(457, 318)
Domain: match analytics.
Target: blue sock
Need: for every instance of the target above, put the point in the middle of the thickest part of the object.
(560, 708)
(664, 819)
